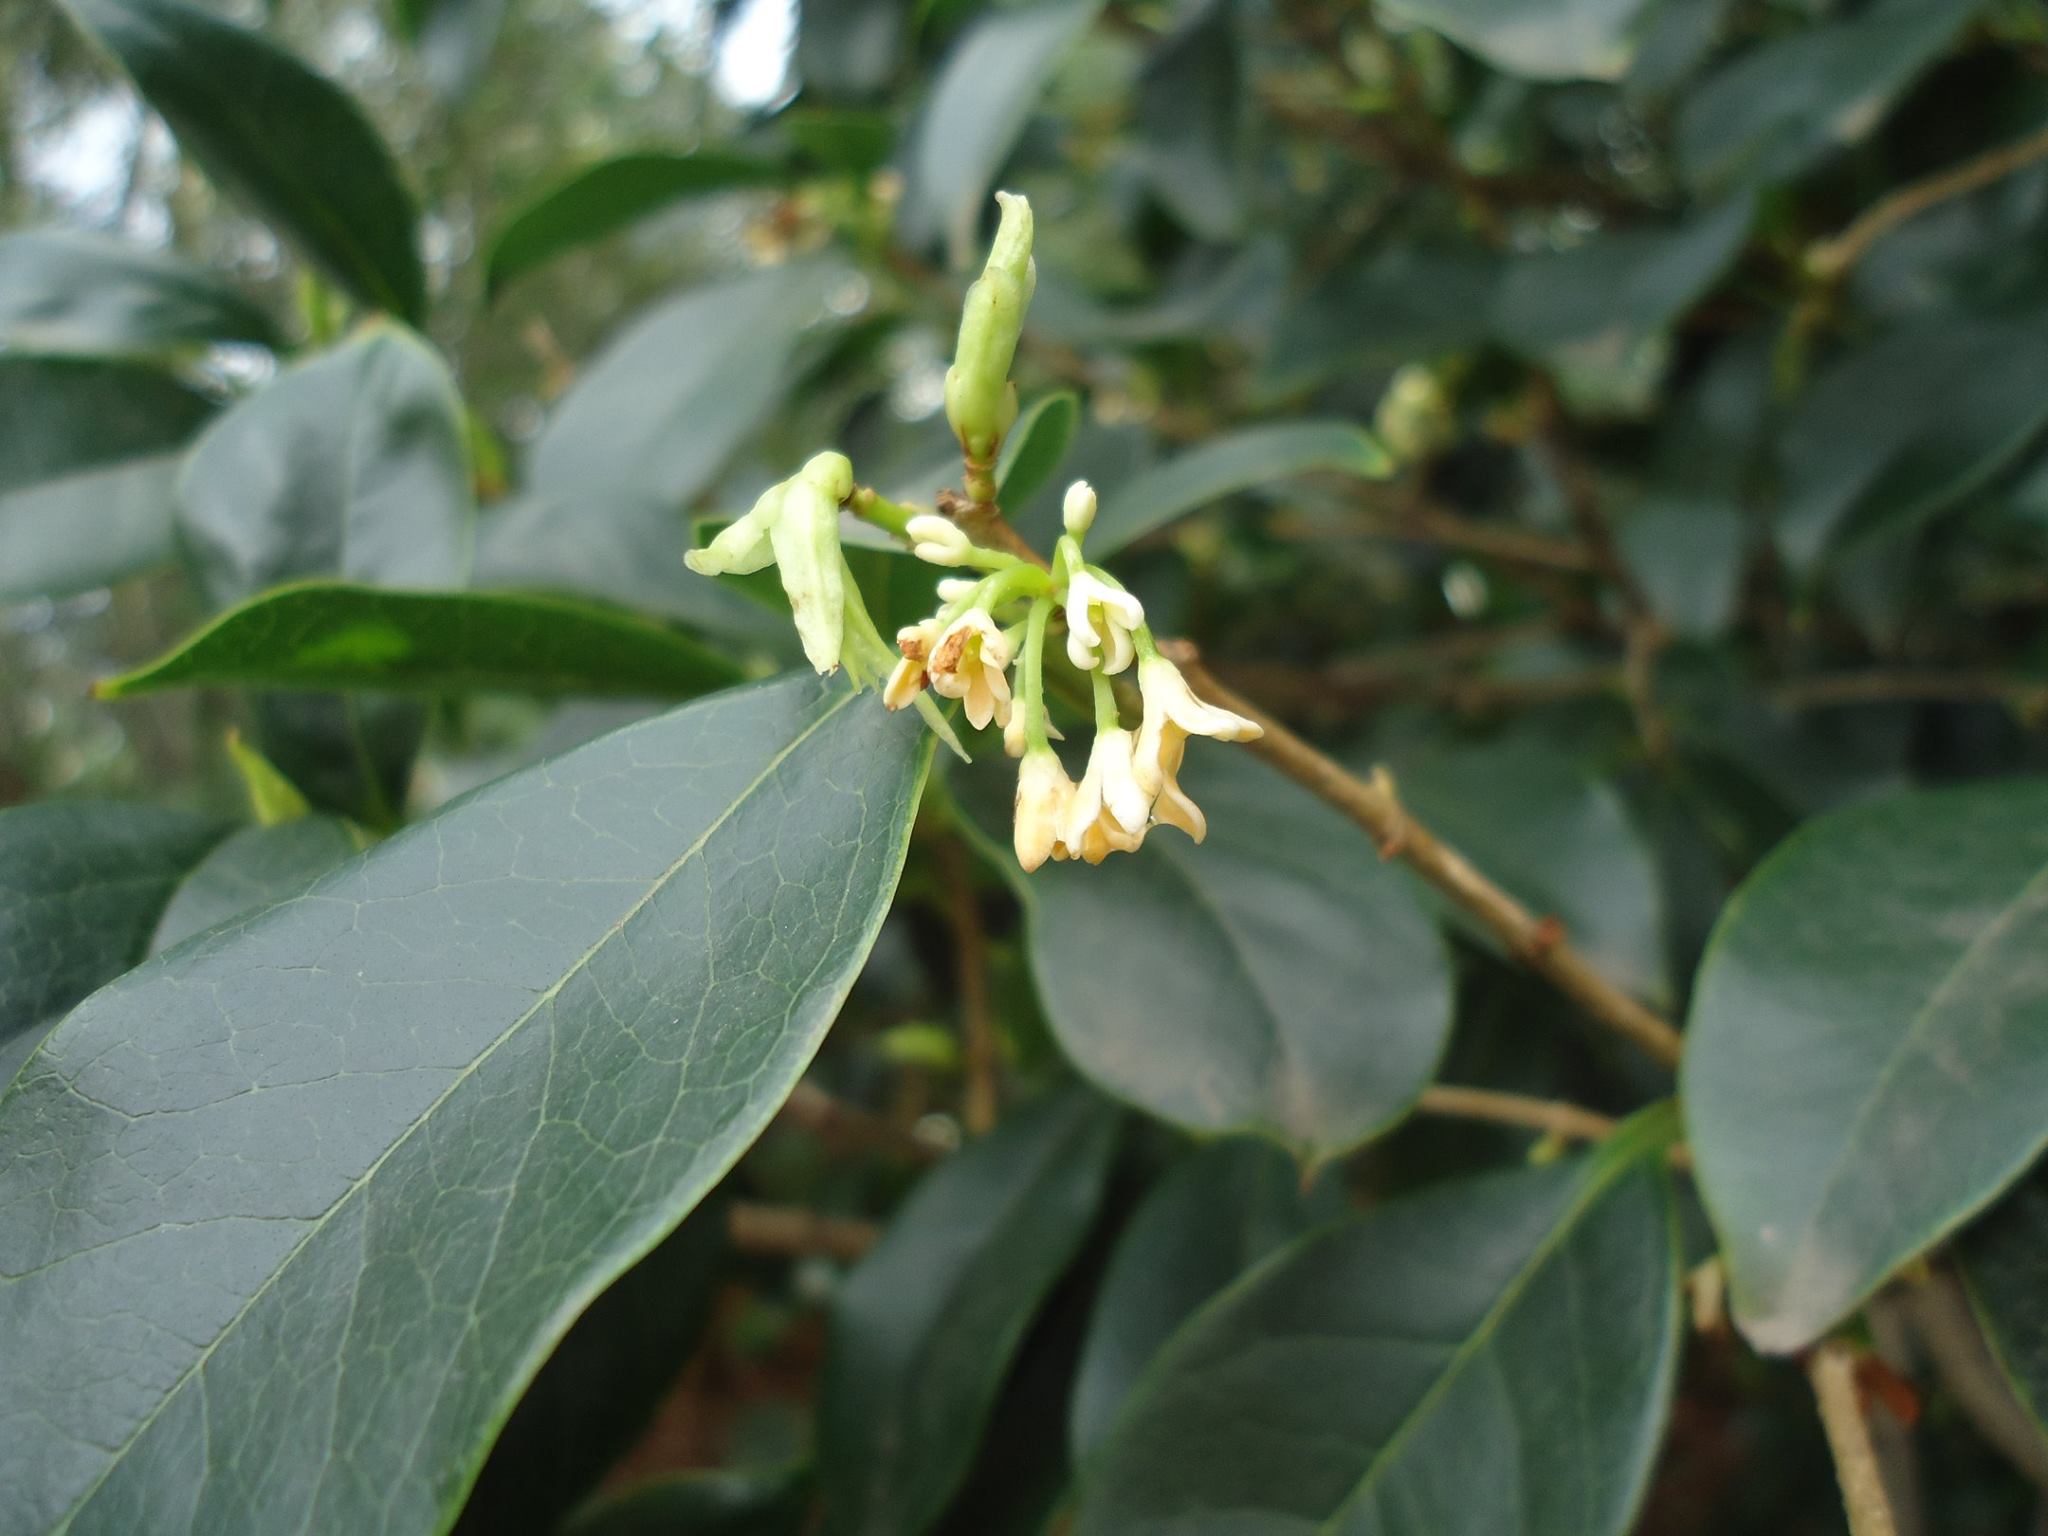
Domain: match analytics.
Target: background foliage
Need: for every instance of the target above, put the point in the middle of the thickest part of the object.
(1620, 419)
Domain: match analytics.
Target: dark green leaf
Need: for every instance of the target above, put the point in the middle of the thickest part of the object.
(86, 465)
(1406, 300)
(604, 198)
(1036, 446)
(85, 295)
(1560, 841)
(88, 529)
(272, 131)
(603, 1384)
(1617, 289)
(850, 141)
(1223, 466)
(352, 464)
(727, 1503)
(1191, 116)
(1496, 1354)
(1905, 427)
(979, 106)
(334, 635)
(1537, 39)
(1222, 1210)
(1779, 108)
(388, 1138)
(252, 868)
(1865, 1066)
(1686, 541)
(2004, 1262)
(1278, 978)
(644, 432)
(924, 1330)
(82, 884)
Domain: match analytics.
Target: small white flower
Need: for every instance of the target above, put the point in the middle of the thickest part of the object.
(938, 540)
(1014, 738)
(907, 678)
(1078, 510)
(1172, 714)
(968, 662)
(1109, 810)
(951, 589)
(1044, 793)
(1162, 768)
(1100, 619)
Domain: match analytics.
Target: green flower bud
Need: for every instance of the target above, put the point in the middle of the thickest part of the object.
(981, 402)
(743, 546)
(805, 536)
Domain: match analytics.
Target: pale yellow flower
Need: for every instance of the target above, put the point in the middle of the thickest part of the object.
(1044, 792)
(1172, 714)
(1100, 619)
(907, 677)
(968, 662)
(1110, 809)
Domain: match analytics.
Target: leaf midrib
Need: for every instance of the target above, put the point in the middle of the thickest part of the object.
(1606, 1171)
(117, 1454)
(1844, 1159)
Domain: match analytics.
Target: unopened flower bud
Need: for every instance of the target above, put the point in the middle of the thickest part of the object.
(981, 402)
(1078, 509)
(1044, 799)
(938, 540)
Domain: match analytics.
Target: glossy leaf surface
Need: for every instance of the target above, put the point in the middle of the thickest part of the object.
(1865, 1063)
(275, 133)
(924, 1330)
(542, 1024)
(1496, 1354)
(338, 635)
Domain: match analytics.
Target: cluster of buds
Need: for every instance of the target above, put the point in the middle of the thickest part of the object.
(998, 617)
(985, 623)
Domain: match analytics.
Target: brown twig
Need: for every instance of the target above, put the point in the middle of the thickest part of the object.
(2027, 696)
(985, 524)
(1831, 259)
(1537, 942)
(978, 1056)
(1553, 1117)
(1416, 521)
(1832, 1368)
(811, 1109)
(791, 1232)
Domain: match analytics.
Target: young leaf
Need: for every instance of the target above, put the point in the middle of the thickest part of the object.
(413, 1120)
(269, 129)
(1226, 465)
(252, 868)
(1278, 978)
(967, 129)
(604, 198)
(1494, 1354)
(1560, 841)
(1865, 1065)
(1207, 1221)
(924, 1330)
(1777, 109)
(82, 885)
(64, 292)
(1537, 39)
(338, 635)
(1035, 447)
(642, 434)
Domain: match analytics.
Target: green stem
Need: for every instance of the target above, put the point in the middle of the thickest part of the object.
(870, 506)
(1031, 675)
(1106, 717)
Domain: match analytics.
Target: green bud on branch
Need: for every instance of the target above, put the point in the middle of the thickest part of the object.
(981, 402)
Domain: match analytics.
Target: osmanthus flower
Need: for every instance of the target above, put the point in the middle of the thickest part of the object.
(1101, 619)
(1110, 811)
(796, 525)
(1172, 714)
(1044, 794)
(907, 678)
(969, 662)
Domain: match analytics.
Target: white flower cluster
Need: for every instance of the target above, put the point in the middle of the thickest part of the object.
(965, 651)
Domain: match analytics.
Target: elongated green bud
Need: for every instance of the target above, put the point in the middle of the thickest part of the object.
(981, 402)
(805, 535)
